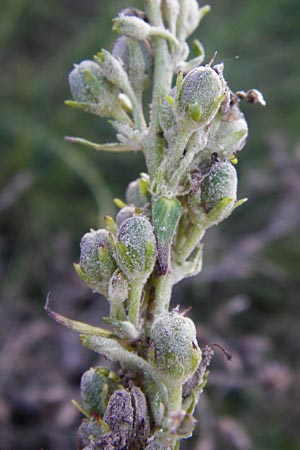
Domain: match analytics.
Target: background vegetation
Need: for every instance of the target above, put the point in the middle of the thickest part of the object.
(247, 297)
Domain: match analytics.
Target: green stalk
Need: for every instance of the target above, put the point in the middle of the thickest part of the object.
(162, 79)
(185, 248)
(174, 398)
(134, 301)
(163, 290)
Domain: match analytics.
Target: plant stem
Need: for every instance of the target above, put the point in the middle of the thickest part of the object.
(189, 242)
(163, 289)
(162, 79)
(134, 301)
(175, 398)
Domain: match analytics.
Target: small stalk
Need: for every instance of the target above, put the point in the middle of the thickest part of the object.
(163, 289)
(174, 398)
(134, 302)
(192, 238)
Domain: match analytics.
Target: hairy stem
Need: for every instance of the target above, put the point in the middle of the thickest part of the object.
(162, 79)
(163, 290)
(134, 301)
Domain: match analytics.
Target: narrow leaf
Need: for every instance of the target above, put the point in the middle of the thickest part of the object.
(113, 147)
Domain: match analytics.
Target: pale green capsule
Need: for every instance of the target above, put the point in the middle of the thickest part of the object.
(176, 351)
(200, 95)
(136, 248)
(96, 264)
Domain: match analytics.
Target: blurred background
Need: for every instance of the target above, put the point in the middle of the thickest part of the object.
(51, 193)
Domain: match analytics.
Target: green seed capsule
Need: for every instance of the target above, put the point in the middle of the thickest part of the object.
(136, 248)
(216, 197)
(219, 184)
(200, 95)
(176, 352)
(96, 387)
(96, 264)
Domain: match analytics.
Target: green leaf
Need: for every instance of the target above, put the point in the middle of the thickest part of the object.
(113, 147)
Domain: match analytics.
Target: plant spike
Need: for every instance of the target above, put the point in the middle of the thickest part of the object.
(190, 144)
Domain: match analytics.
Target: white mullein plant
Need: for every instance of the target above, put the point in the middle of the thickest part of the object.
(190, 144)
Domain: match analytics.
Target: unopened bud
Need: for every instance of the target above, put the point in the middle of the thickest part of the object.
(137, 193)
(112, 68)
(137, 60)
(93, 93)
(176, 352)
(125, 213)
(136, 248)
(131, 26)
(167, 118)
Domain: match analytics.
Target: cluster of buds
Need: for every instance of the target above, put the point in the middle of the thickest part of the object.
(190, 145)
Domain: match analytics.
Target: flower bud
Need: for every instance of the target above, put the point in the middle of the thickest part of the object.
(112, 68)
(200, 95)
(137, 60)
(131, 26)
(125, 213)
(137, 193)
(170, 11)
(96, 388)
(167, 118)
(190, 16)
(93, 93)
(176, 352)
(136, 248)
(87, 83)
(96, 264)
